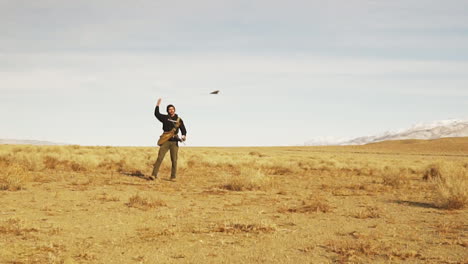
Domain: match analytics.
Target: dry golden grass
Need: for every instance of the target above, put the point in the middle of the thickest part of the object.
(234, 228)
(452, 188)
(151, 234)
(15, 227)
(248, 178)
(433, 171)
(352, 204)
(12, 178)
(368, 212)
(450, 229)
(395, 177)
(107, 198)
(313, 204)
(144, 203)
(359, 250)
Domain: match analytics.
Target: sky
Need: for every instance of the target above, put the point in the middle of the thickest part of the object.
(90, 72)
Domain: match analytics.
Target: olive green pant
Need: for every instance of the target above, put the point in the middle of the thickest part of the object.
(173, 147)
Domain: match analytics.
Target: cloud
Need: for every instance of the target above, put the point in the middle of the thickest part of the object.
(181, 73)
(358, 27)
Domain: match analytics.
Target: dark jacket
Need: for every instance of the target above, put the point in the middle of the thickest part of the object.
(168, 125)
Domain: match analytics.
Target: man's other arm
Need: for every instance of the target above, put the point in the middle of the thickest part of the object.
(183, 130)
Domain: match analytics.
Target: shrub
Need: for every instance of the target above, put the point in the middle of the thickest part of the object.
(395, 177)
(433, 171)
(51, 162)
(143, 203)
(257, 154)
(75, 166)
(247, 179)
(12, 179)
(313, 204)
(368, 212)
(452, 188)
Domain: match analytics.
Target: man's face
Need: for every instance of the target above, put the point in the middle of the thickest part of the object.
(171, 111)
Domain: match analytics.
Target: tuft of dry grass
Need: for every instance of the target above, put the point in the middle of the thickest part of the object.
(107, 198)
(395, 177)
(15, 227)
(12, 179)
(256, 154)
(144, 203)
(433, 171)
(368, 212)
(51, 162)
(352, 249)
(247, 179)
(152, 234)
(313, 204)
(450, 229)
(452, 188)
(234, 228)
(361, 249)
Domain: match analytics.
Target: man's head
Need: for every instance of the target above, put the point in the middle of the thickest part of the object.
(170, 110)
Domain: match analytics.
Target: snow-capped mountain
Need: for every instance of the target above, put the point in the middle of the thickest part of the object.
(434, 130)
(326, 141)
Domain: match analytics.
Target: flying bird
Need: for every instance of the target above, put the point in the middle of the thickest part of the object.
(215, 92)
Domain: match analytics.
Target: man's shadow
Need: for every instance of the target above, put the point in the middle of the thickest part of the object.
(415, 204)
(136, 173)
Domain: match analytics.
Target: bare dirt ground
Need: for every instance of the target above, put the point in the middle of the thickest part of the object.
(364, 204)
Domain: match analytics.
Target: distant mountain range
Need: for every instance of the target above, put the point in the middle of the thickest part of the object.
(434, 130)
(27, 142)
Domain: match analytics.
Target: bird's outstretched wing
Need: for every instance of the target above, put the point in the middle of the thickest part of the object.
(215, 92)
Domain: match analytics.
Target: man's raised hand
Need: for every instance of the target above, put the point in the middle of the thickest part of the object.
(159, 102)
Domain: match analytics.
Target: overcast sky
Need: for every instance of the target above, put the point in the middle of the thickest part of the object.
(90, 72)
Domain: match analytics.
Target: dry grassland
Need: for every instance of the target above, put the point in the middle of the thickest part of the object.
(391, 202)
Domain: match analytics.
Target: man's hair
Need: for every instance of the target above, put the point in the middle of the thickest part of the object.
(167, 108)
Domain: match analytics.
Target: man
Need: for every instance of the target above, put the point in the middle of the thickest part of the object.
(170, 121)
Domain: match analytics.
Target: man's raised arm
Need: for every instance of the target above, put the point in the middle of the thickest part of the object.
(157, 114)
